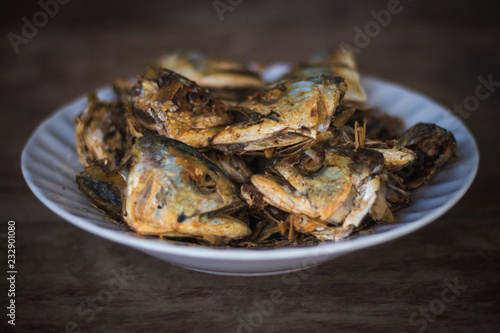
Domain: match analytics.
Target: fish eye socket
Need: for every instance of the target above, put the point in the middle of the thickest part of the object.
(207, 184)
(196, 97)
(311, 165)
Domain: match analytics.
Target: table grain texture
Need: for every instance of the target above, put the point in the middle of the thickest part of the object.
(439, 48)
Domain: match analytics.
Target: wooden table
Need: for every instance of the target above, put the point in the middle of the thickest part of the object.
(438, 49)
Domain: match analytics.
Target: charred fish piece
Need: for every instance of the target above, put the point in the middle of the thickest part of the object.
(434, 147)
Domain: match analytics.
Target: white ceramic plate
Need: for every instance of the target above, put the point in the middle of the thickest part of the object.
(50, 164)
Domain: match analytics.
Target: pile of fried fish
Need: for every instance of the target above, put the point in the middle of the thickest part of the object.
(202, 150)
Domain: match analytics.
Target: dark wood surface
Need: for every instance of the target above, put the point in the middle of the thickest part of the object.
(439, 49)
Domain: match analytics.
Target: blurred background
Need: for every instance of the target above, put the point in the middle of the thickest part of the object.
(436, 47)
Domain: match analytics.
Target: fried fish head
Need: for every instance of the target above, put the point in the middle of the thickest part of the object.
(327, 188)
(289, 113)
(433, 145)
(168, 104)
(231, 80)
(173, 190)
(338, 62)
(210, 71)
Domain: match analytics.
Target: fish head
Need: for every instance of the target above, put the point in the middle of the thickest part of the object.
(320, 184)
(434, 147)
(292, 112)
(169, 104)
(210, 71)
(174, 190)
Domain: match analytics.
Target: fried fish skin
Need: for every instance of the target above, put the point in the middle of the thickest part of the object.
(328, 191)
(209, 71)
(338, 62)
(100, 132)
(434, 146)
(166, 103)
(172, 190)
(232, 81)
(289, 113)
(104, 185)
(396, 158)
